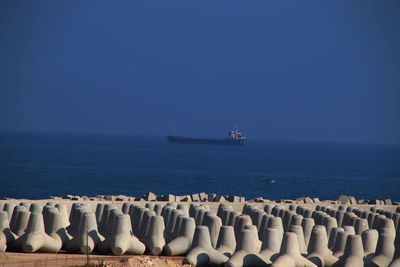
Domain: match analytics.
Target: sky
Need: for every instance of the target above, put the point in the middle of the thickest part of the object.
(279, 70)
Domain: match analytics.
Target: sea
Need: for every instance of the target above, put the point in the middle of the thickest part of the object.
(36, 166)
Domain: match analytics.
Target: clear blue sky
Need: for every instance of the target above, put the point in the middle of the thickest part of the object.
(288, 70)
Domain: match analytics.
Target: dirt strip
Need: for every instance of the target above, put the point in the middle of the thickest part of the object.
(11, 259)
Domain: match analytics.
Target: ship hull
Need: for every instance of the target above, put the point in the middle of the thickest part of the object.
(187, 140)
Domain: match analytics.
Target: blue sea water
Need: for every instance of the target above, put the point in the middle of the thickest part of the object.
(41, 165)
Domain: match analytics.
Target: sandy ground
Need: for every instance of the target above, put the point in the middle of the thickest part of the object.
(8, 259)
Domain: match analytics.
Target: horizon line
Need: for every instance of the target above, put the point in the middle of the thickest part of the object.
(269, 139)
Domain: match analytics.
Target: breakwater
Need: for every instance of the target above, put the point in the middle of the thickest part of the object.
(302, 232)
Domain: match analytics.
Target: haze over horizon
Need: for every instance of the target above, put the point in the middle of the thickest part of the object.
(325, 71)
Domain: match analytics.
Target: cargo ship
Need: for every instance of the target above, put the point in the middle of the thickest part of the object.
(235, 138)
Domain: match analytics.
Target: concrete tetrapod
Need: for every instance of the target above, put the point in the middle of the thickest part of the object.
(130, 211)
(347, 219)
(122, 241)
(14, 218)
(6, 236)
(332, 237)
(397, 245)
(158, 208)
(246, 206)
(99, 212)
(276, 223)
(247, 248)
(184, 208)
(281, 212)
(71, 218)
(214, 223)
(353, 253)
(386, 225)
(21, 221)
(111, 222)
(257, 217)
(75, 217)
(287, 219)
(373, 220)
(254, 229)
(240, 222)
(144, 225)
(52, 203)
(370, 240)
(177, 227)
(232, 218)
(271, 244)
(379, 218)
(172, 204)
(318, 216)
(275, 210)
(202, 253)
(226, 242)
(396, 257)
(268, 208)
(226, 214)
(125, 208)
(307, 224)
(54, 225)
(62, 208)
(9, 208)
(200, 215)
(192, 209)
(102, 225)
(318, 251)
(88, 237)
(263, 225)
(252, 212)
(250, 209)
(339, 217)
(36, 207)
(35, 238)
(221, 208)
(298, 230)
(370, 217)
(27, 205)
(166, 214)
(349, 229)
(183, 242)
(136, 219)
(396, 220)
(395, 263)
(170, 228)
(307, 213)
(329, 223)
(290, 253)
(154, 238)
(150, 206)
(340, 243)
(384, 250)
(296, 220)
(360, 226)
